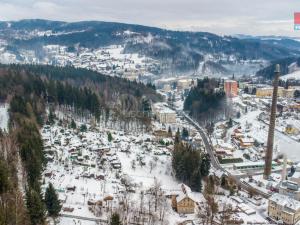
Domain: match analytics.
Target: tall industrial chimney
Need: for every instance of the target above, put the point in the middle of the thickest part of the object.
(269, 152)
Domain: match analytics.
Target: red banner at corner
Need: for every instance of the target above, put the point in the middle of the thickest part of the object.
(297, 18)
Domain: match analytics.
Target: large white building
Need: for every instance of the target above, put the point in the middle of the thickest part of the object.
(163, 113)
(284, 208)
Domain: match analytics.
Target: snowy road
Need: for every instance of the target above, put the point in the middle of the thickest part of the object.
(98, 220)
(206, 141)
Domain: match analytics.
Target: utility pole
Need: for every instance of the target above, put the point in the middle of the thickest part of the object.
(270, 143)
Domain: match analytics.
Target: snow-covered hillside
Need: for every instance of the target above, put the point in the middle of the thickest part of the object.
(176, 52)
(294, 75)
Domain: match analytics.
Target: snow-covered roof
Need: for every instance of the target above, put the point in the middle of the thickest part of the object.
(286, 202)
(162, 108)
(219, 173)
(181, 197)
(247, 140)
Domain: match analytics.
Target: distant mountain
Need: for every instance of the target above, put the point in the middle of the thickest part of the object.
(182, 51)
(292, 43)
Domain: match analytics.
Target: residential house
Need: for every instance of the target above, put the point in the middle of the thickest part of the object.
(184, 203)
(290, 129)
(246, 142)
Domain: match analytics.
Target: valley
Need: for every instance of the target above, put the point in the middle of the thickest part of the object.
(123, 124)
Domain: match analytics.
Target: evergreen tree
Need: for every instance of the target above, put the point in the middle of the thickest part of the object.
(223, 182)
(196, 181)
(177, 136)
(35, 206)
(109, 136)
(73, 124)
(146, 106)
(170, 131)
(83, 128)
(230, 123)
(150, 85)
(52, 202)
(205, 164)
(184, 133)
(190, 165)
(4, 175)
(209, 128)
(18, 105)
(107, 114)
(115, 219)
(51, 117)
(162, 142)
(31, 151)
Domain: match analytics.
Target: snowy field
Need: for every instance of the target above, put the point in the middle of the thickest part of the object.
(4, 117)
(98, 169)
(294, 75)
(253, 124)
(87, 169)
(110, 60)
(282, 142)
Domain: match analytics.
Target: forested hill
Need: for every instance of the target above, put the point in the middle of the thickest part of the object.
(81, 92)
(206, 102)
(32, 91)
(110, 91)
(286, 65)
(93, 34)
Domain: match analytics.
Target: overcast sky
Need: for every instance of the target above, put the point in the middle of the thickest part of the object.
(258, 17)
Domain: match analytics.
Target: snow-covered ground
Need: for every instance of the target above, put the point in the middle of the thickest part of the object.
(86, 168)
(253, 124)
(4, 116)
(259, 131)
(294, 75)
(110, 60)
(99, 168)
